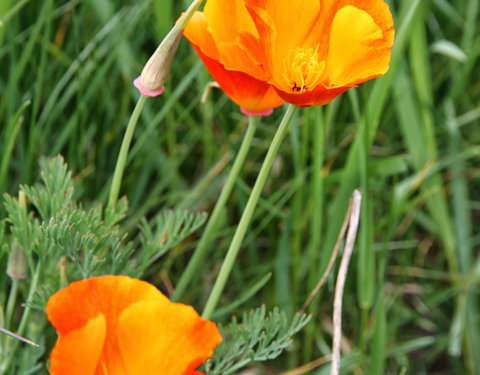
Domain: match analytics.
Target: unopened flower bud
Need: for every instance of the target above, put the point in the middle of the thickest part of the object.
(17, 262)
(157, 69)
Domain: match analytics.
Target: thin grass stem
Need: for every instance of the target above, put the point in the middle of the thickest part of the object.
(316, 224)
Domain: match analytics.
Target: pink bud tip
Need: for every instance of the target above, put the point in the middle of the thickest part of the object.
(139, 85)
(17, 276)
(247, 112)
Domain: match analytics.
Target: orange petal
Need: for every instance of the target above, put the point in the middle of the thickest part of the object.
(169, 339)
(198, 34)
(228, 19)
(109, 295)
(320, 32)
(358, 49)
(78, 352)
(246, 91)
(236, 56)
(377, 9)
(240, 53)
(319, 96)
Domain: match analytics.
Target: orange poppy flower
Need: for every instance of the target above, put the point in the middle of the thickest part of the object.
(304, 52)
(116, 325)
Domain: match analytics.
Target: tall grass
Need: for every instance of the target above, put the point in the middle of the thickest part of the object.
(410, 141)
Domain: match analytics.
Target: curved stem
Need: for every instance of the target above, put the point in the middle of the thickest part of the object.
(247, 215)
(208, 235)
(123, 154)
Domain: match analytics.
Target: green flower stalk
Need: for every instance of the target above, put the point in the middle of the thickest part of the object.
(247, 215)
(150, 84)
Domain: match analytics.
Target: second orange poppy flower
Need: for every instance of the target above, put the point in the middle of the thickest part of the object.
(117, 325)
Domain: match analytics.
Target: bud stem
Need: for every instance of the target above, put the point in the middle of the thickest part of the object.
(182, 23)
(123, 154)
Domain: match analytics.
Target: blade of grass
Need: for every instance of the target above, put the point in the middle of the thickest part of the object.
(8, 9)
(436, 203)
(377, 360)
(316, 192)
(366, 256)
(11, 135)
(466, 305)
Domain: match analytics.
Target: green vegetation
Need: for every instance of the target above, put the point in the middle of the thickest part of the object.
(409, 140)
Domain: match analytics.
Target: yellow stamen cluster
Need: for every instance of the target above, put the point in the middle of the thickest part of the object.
(302, 70)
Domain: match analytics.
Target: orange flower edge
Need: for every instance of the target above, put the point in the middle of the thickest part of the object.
(255, 96)
(249, 93)
(117, 325)
(309, 51)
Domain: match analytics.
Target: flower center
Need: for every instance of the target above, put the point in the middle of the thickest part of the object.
(302, 70)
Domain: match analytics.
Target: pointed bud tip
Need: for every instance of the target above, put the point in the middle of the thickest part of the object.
(247, 112)
(144, 91)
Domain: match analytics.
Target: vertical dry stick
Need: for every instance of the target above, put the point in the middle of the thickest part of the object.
(331, 261)
(342, 275)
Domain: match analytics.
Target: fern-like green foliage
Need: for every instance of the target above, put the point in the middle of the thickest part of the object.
(165, 231)
(258, 337)
(57, 226)
(55, 194)
(64, 241)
